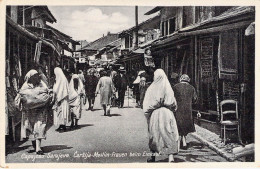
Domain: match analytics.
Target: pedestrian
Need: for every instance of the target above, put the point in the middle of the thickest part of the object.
(159, 105)
(136, 90)
(76, 94)
(185, 95)
(43, 77)
(142, 89)
(81, 76)
(91, 82)
(106, 87)
(122, 86)
(34, 120)
(61, 113)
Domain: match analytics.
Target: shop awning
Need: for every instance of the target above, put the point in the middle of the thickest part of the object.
(226, 21)
(250, 30)
(28, 33)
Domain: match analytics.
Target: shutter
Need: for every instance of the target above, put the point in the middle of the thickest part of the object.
(228, 55)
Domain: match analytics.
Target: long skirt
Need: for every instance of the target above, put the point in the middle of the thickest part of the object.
(61, 113)
(163, 132)
(33, 124)
(77, 110)
(105, 97)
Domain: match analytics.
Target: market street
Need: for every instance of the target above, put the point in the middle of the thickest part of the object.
(123, 137)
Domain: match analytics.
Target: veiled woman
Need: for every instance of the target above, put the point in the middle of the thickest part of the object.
(76, 94)
(33, 123)
(61, 113)
(159, 105)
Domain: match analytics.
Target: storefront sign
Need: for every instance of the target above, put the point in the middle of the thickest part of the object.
(206, 50)
(82, 60)
(231, 90)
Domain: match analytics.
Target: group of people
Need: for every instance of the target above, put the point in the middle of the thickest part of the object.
(168, 110)
(36, 99)
(65, 99)
(169, 114)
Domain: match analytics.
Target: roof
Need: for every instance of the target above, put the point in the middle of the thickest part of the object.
(232, 12)
(29, 34)
(45, 10)
(142, 23)
(156, 9)
(225, 21)
(101, 42)
(63, 35)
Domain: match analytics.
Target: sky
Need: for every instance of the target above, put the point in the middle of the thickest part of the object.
(91, 22)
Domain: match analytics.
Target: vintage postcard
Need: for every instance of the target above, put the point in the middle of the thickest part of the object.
(121, 84)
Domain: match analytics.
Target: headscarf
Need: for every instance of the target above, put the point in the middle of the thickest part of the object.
(71, 85)
(159, 93)
(137, 80)
(27, 77)
(61, 86)
(29, 74)
(184, 78)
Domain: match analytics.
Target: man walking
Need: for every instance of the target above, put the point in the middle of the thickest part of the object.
(122, 86)
(91, 82)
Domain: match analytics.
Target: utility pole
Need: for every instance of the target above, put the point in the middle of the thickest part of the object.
(136, 27)
(23, 16)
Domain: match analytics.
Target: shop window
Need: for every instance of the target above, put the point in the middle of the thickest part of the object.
(172, 25)
(162, 28)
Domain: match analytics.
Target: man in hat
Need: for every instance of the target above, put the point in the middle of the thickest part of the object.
(121, 85)
(185, 95)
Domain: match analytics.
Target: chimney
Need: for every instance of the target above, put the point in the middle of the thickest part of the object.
(108, 33)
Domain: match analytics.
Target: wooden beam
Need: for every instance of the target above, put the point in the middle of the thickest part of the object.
(26, 56)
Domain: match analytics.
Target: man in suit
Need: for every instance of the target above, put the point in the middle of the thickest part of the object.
(121, 84)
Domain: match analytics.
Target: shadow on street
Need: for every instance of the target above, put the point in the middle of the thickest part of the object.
(16, 149)
(48, 149)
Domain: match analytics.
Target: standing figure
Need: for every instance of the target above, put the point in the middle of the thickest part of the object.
(122, 86)
(159, 105)
(136, 90)
(91, 82)
(142, 89)
(106, 87)
(61, 113)
(76, 94)
(33, 123)
(185, 95)
(81, 76)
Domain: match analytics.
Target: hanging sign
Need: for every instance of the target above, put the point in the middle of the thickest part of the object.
(82, 60)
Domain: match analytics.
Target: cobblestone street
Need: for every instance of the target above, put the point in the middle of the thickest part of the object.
(120, 138)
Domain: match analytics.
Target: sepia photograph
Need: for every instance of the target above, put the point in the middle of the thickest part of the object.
(129, 84)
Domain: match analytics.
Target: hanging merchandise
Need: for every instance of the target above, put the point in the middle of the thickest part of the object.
(15, 84)
(148, 59)
(8, 72)
(37, 53)
(17, 66)
(7, 81)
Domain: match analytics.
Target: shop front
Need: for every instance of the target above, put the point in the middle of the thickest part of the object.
(219, 59)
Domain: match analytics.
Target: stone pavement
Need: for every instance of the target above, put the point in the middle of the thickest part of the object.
(214, 142)
(121, 138)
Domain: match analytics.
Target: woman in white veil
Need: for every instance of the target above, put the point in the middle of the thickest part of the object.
(61, 114)
(76, 93)
(159, 105)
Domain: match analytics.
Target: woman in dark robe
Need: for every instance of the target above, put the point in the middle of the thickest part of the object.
(185, 95)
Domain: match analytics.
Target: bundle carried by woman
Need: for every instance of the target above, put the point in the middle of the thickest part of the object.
(34, 93)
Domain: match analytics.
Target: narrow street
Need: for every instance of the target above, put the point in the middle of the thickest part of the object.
(120, 138)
